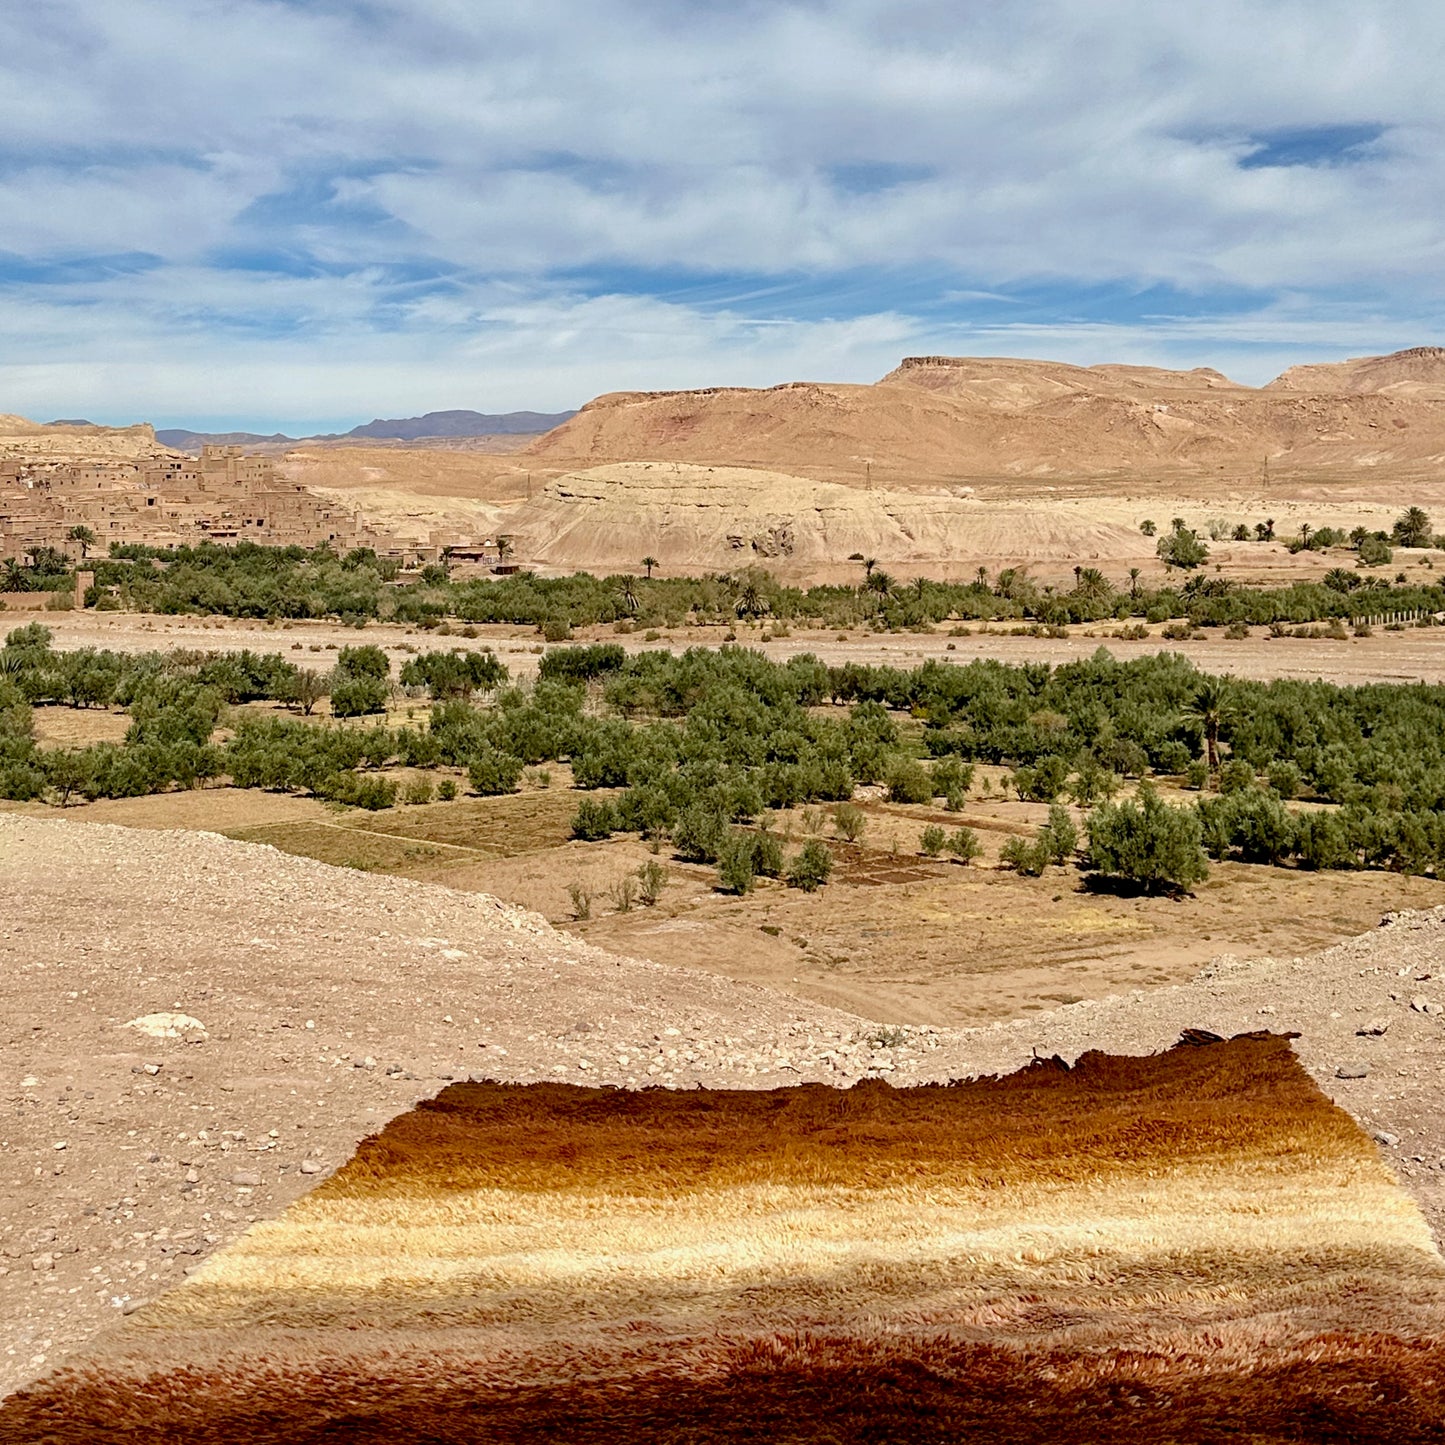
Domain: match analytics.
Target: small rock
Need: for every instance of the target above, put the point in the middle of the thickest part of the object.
(1352, 1071)
(367, 1063)
(1383, 1136)
(132, 1305)
(245, 1179)
(1373, 1029)
(310, 1166)
(170, 1026)
(1422, 1005)
(192, 1177)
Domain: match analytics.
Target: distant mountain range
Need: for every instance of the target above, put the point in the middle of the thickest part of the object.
(433, 424)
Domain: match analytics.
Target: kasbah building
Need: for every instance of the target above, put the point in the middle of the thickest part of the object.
(223, 496)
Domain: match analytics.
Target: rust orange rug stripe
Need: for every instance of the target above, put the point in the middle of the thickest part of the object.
(1196, 1247)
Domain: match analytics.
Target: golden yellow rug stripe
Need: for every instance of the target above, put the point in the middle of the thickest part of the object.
(1192, 1247)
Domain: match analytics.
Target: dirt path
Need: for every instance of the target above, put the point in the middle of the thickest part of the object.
(1416, 655)
(333, 1000)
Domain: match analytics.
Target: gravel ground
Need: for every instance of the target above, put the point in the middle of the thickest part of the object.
(333, 1000)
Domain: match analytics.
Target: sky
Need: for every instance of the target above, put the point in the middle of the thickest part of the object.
(297, 215)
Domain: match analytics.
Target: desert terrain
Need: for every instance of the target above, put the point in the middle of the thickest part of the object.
(330, 1000)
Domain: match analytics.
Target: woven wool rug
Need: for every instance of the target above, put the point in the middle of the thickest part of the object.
(1192, 1247)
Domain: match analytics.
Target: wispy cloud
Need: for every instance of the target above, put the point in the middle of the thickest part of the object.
(321, 209)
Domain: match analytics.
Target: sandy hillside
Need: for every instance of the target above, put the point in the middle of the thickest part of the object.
(37, 442)
(725, 516)
(331, 1000)
(991, 419)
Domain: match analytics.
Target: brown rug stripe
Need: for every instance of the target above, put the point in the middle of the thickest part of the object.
(1194, 1247)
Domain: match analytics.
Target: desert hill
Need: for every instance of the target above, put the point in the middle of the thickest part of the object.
(986, 419)
(693, 516)
(1419, 372)
(77, 441)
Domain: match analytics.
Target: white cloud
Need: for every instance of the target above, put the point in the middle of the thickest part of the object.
(358, 149)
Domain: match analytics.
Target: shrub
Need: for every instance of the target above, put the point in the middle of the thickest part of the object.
(1284, 778)
(623, 893)
(811, 867)
(365, 661)
(356, 694)
(1196, 775)
(1059, 836)
(1235, 776)
(492, 772)
(594, 819)
(556, 629)
(1375, 552)
(447, 790)
(767, 855)
(909, 782)
(651, 880)
(1147, 842)
(1043, 781)
(699, 833)
(964, 845)
(418, 790)
(736, 869)
(1182, 548)
(933, 840)
(581, 901)
(849, 821)
(1027, 857)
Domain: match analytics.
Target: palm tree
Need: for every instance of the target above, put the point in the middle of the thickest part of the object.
(1211, 707)
(505, 549)
(14, 578)
(650, 563)
(869, 563)
(629, 595)
(1413, 528)
(920, 586)
(981, 577)
(751, 602)
(880, 582)
(1134, 575)
(85, 537)
(1305, 531)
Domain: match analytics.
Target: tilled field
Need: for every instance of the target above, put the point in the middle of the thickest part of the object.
(333, 1000)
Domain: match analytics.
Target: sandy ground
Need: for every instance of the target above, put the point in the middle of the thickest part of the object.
(1415, 655)
(332, 1000)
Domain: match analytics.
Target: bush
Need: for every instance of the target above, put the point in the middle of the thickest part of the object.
(556, 629)
(651, 880)
(365, 661)
(594, 819)
(355, 695)
(964, 845)
(447, 790)
(933, 840)
(1043, 781)
(1027, 857)
(1235, 776)
(418, 790)
(1147, 842)
(811, 867)
(1196, 775)
(1375, 552)
(849, 821)
(699, 833)
(909, 782)
(1059, 836)
(1181, 548)
(491, 772)
(1284, 778)
(736, 868)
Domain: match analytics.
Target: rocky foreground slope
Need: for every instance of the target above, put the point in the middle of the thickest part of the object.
(316, 1003)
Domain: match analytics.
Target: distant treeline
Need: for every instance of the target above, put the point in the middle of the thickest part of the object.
(251, 581)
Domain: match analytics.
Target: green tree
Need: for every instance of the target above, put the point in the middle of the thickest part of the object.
(1212, 707)
(649, 562)
(1182, 548)
(811, 867)
(1147, 842)
(85, 537)
(1412, 529)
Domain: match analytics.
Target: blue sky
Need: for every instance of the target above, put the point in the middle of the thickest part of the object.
(299, 214)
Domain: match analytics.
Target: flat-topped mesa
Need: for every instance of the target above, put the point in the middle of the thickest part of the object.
(1415, 371)
(613, 399)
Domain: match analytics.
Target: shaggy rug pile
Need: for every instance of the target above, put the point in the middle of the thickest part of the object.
(1192, 1247)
